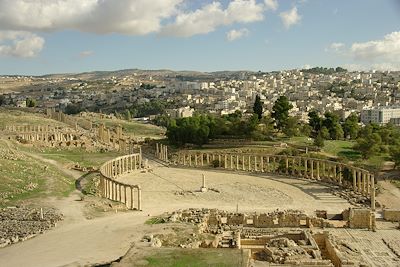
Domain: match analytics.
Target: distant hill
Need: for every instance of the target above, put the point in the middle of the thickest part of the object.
(183, 75)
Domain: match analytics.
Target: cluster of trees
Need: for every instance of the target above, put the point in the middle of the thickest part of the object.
(200, 128)
(154, 107)
(322, 70)
(330, 127)
(72, 109)
(374, 139)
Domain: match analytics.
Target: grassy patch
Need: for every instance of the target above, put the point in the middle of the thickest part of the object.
(82, 157)
(376, 161)
(135, 128)
(155, 220)
(196, 258)
(341, 148)
(299, 140)
(16, 117)
(23, 178)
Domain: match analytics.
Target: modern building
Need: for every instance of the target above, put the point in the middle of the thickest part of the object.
(380, 115)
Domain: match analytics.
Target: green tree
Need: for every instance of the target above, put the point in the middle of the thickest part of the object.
(315, 121)
(319, 140)
(324, 132)
(351, 127)
(306, 130)
(258, 107)
(72, 109)
(292, 127)
(394, 153)
(280, 112)
(30, 102)
(128, 115)
(331, 122)
(368, 147)
(2, 100)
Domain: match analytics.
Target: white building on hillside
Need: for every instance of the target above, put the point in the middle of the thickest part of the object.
(380, 115)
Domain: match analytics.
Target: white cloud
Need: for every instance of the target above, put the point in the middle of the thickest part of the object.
(271, 4)
(20, 44)
(211, 16)
(335, 47)
(86, 53)
(381, 54)
(388, 48)
(237, 34)
(290, 17)
(99, 16)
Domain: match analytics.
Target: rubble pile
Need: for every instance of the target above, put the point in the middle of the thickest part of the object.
(21, 223)
(352, 197)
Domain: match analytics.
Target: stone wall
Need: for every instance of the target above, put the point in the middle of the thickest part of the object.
(392, 215)
(360, 218)
(114, 190)
(67, 119)
(359, 180)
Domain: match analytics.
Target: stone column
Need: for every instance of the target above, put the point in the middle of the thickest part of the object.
(364, 183)
(132, 196)
(293, 166)
(318, 177)
(231, 167)
(312, 169)
(249, 163)
(139, 198)
(255, 164)
(268, 168)
(219, 160)
(237, 162)
(157, 151)
(225, 161)
(359, 185)
(262, 163)
(305, 168)
(125, 197)
(243, 165)
(190, 159)
(287, 165)
(202, 159)
(208, 159)
(372, 192)
(354, 180)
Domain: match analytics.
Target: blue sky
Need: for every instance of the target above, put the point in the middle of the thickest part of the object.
(55, 36)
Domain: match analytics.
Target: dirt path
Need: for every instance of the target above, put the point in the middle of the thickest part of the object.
(389, 196)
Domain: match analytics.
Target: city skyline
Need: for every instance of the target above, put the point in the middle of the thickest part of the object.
(78, 36)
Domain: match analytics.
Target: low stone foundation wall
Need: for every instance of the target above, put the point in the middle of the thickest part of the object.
(391, 215)
(114, 190)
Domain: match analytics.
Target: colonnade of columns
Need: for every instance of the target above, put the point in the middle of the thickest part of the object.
(317, 169)
(30, 128)
(161, 152)
(48, 137)
(128, 194)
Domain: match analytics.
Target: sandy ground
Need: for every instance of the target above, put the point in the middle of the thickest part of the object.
(389, 196)
(78, 241)
(261, 193)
